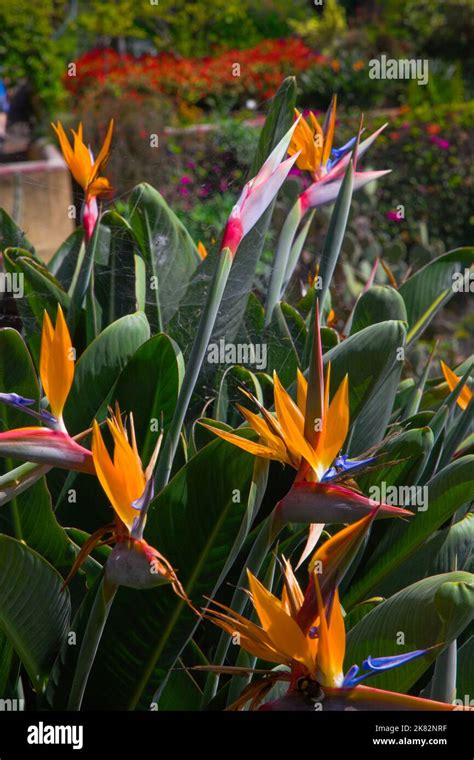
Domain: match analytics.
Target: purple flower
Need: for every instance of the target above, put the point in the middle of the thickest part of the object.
(185, 180)
(442, 144)
(393, 216)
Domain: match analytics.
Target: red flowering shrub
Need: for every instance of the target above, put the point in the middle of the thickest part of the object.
(227, 79)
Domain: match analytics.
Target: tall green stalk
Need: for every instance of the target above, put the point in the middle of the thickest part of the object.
(193, 368)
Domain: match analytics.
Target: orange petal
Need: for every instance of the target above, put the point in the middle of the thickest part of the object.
(332, 642)
(283, 631)
(202, 250)
(257, 449)
(268, 438)
(56, 362)
(117, 478)
(128, 465)
(292, 596)
(336, 426)
(329, 136)
(301, 391)
(452, 380)
(103, 156)
(99, 186)
(292, 422)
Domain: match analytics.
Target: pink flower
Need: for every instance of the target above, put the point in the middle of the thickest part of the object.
(90, 214)
(258, 193)
(185, 180)
(393, 216)
(442, 144)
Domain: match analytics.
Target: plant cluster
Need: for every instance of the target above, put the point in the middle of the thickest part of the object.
(213, 498)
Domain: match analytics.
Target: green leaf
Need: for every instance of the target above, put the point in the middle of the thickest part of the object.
(296, 249)
(433, 611)
(114, 270)
(332, 248)
(148, 387)
(10, 234)
(41, 291)
(229, 395)
(465, 672)
(90, 642)
(449, 490)
(99, 367)
(368, 357)
(34, 607)
(431, 287)
(335, 235)
(9, 667)
(277, 123)
(458, 431)
(449, 548)
(181, 692)
(371, 425)
(193, 367)
(282, 354)
(360, 611)
(81, 288)
(379, 304)
(405, 455)
(169, 252)
(63, 263)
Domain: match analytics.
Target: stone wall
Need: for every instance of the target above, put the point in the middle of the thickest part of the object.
(37, 194)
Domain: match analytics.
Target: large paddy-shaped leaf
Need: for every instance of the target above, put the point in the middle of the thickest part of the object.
(431, 287)
(99, 367)
(148, 387)
(430, 612)
(449, 548)
(449, 490)
(368, 357)
(168, 250)
(34, 607)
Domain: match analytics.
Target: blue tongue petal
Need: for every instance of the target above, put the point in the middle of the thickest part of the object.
(141, 505)
(376, 665)
(23, 404)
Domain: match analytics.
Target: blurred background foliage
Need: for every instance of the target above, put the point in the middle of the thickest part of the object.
(167, 70)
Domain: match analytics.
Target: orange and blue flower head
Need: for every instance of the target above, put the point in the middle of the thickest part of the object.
(56, 373)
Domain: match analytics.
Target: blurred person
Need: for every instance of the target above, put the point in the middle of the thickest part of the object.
(4, 109)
